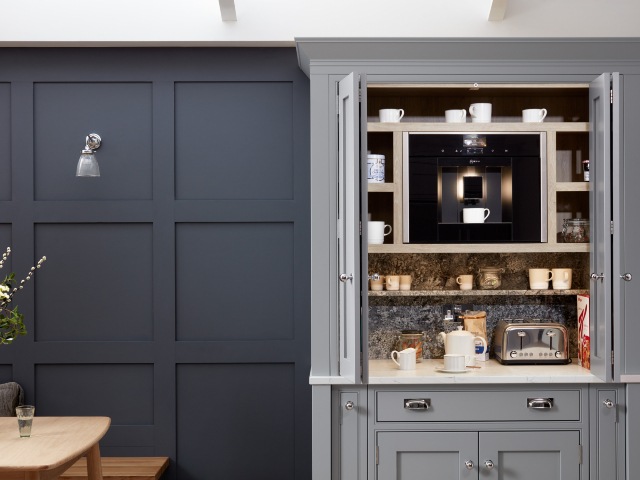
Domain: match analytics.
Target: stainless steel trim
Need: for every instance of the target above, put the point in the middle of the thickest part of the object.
(540, 403)
(405, 187)
(417, 403)
(544, 199)
(544, 230)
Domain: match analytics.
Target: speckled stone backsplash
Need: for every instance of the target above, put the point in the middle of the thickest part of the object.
(438, 271)
(388, 315)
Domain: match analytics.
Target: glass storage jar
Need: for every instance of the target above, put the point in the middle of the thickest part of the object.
(575, 230)
(411, 339)
(490, 278)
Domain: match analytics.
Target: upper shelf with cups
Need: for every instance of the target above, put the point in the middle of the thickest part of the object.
(559, 113)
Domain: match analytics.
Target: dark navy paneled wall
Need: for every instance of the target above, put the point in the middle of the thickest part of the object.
(175, 298)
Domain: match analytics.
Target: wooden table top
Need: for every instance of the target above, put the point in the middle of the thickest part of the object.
(53, 442)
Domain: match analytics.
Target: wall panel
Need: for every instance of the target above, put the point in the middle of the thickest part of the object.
(108, 282)
(248, 292)
(234, 140)
(175, 298)
(5, 141)
(65, 113)
(244, 412)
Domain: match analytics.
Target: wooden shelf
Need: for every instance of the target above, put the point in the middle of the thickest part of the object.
(478, 127)
(480, 248)
(474, 293)
(572, 186)
(381, 187)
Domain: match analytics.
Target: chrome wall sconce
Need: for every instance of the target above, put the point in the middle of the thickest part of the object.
(88, 164)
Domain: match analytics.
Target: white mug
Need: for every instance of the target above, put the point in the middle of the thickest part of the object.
(455, 116)
(480, 112)
(377, 231)
(455, 362)
(391, 115)
(539, 278)
(465, 282)
(475, 215)
(534, 115)
(392, 282)
(406, 359)
(561, 278)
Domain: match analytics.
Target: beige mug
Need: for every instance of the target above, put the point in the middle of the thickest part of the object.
(377, 285)
(465, 282)
(561, 278)
(392, 282)
(539, 278)
(405, 282)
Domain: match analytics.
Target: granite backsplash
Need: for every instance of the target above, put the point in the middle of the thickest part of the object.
(388, 315)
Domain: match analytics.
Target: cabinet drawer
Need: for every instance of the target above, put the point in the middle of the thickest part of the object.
(478, 406)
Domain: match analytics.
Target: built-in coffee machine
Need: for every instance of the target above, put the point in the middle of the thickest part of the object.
(474, 188)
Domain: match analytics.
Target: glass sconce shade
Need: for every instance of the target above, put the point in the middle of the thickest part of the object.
(88, 165)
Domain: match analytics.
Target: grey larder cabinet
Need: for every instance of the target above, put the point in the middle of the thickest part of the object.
(339, 303)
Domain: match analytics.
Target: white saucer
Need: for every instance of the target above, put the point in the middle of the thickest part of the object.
(451, 371)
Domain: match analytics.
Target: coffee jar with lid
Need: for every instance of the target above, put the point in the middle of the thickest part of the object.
(490, 278)
(411, 339)
(575, 230)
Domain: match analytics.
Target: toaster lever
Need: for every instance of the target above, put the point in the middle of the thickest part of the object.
(540, 403)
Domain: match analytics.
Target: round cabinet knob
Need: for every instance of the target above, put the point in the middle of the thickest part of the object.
(608, 403)
(595, 276)
(627, 277)
(468, 464)
(344, 277)
(349, 405)
(488, 464)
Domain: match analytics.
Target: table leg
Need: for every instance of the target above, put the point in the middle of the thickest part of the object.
(94, 464)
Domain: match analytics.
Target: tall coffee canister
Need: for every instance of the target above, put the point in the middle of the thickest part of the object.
(411, 339)
(375, 168)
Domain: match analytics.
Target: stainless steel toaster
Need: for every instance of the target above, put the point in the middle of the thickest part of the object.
(528, 342)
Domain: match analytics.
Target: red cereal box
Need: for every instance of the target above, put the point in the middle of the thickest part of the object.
(584, 344)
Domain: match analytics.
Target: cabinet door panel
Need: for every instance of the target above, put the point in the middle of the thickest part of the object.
(530, 455)
(600, 239)
(626, 198)
(349, 228)
(427, 455)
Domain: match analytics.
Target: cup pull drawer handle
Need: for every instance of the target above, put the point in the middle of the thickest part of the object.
(417, 403)
(540, 403)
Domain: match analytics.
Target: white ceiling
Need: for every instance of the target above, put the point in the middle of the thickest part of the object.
(278, 22)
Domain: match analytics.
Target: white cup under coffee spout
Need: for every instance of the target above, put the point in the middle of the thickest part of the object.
(475, 214)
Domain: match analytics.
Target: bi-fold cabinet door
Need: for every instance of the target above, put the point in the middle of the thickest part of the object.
(533, 455)
(352, 238)
(615, 231)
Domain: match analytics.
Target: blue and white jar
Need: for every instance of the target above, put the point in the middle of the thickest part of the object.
(375, 168)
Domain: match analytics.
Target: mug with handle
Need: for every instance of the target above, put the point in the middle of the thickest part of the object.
(406, 359)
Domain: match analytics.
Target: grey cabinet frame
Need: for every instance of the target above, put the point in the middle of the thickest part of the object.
(326, 61)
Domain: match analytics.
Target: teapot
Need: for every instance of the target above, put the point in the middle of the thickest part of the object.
(462, 342)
